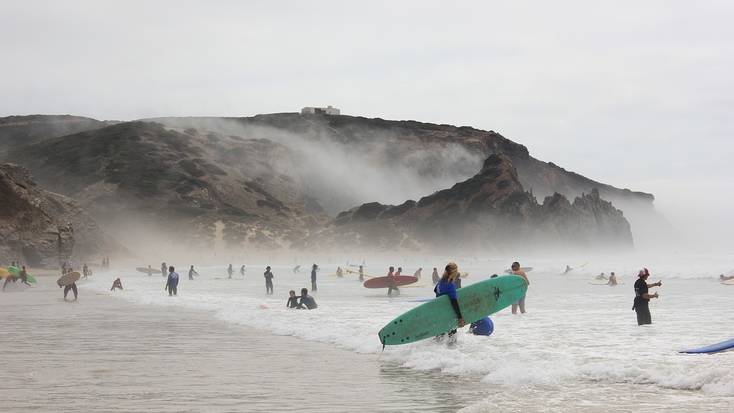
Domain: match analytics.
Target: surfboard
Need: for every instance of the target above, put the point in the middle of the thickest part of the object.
(384, 282)
(4, 272)
(713, 348)
(68, 279)
(15, 272)
(728, 282)
(437, 316)
(145, 270)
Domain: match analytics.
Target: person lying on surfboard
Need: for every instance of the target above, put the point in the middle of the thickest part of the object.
(446, 286)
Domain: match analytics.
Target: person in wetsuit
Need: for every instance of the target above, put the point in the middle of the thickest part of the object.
(292, 300)
(192, 273)
(361, 273)
(391, 282)
(24, 276)
(230, 271)
(612, 280)
(116, 284)
(306, 300)
(163, 269)
(85, 270)
(268, 281)
(172, 281)
(242, 271)
(314, 268)
(71, 287)
(568, 269)
(445, 286)
(642, 297)
(435, 277)
(515, 268)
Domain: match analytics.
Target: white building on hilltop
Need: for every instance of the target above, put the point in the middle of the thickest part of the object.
(329, 110)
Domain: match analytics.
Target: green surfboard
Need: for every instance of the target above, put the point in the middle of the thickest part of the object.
(15, 272)
(437, 316)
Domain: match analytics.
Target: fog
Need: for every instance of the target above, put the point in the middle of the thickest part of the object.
(630, 94)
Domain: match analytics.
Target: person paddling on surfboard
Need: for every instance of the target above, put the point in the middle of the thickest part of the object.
(521, 303)
(642, 298)
(446, 286)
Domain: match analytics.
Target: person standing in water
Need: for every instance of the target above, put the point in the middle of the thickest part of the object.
(292, 300)
(71, 287)
(85, 270)
(642, 297)
(172, 281)
(435, 276)
(391, 282)
(612, 280)
(242, 271)
(314, 268)
(568, 269)
(268, 281)
(306, 300)
(361, 273)
(163, 269)
(24, 276)
(521, 303)
(116, 284)
(230, 271)
(417, 274)
(339, 272)
(445, 286)
(192, 273)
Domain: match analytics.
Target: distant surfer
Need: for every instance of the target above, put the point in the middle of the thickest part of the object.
(314, 268)
(445, 286)
(292, 300)
(521, 303)
(230, 271)
(150, 270)
(435, 276)
(723, 277)
(85, 270)
(71, 287)
(568, 269)
(24, 276)
(417, 274)
(163, 269)
(242, 271)
(268, 281)
(8, 279)
(361, 273)
(339, 272)
(172, 281)
(192, 273)
(391, 282)
(612, 280)
(306, 300)
(642, 298)
(601, 277)
(296, 269)
(116, 284)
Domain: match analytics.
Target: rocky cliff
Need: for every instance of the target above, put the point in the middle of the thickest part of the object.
(41, 228)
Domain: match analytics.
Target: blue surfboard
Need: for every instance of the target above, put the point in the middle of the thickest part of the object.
(713, 348)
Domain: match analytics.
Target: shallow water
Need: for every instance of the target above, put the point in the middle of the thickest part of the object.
(577, 349)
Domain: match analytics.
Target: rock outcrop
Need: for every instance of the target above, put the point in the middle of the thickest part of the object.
(41, 228)
(491, 210)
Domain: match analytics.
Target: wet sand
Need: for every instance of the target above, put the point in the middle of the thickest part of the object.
(105, 354)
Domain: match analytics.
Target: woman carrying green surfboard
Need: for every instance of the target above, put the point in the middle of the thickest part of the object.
(446, 286)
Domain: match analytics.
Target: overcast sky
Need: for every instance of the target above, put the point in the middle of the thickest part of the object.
(636, 94)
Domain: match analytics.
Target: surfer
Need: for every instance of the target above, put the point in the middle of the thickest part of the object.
(435, 276)
(339, 272)
(8, 279)
(568, 269)
(391, 282)
(163, 269)
(296, 269)
(314, 268)
(116, 284)
(292, 300)
(230, 271)
(306, 300)
(242, 271)
(642, 298)
(192, 272)
(612, 280)
(521, 303)
(268, 281)
(445, 286)
(85, 270)
(361, 273)
(723, 277)
(71, 287)
(601, 277)
(417, 273)
(172, 282)
(24, 276)
(150, 270)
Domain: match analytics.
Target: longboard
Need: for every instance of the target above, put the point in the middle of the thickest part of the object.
(15, 273)
(68, 279)
(146, 270)
(728, 282)
(713, 348)
(435, 317)
(384, 282)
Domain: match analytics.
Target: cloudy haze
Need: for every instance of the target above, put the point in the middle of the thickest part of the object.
(634, 94)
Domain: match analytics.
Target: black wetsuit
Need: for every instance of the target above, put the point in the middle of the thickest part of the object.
(268, 282)
(313, 280)
(308, 302)
(71, 287)
(293, 302)
(641, 305)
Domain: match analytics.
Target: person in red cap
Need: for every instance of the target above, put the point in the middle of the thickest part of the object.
(642, 298)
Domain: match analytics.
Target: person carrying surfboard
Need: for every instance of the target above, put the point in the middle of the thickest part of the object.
(642, 298)
(446, 286)
(361, 273)
(390, 275)
(516, 270)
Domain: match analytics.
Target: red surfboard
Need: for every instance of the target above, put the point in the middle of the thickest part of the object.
(384, 282)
